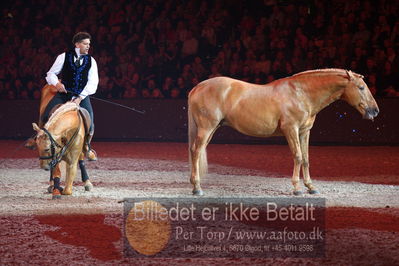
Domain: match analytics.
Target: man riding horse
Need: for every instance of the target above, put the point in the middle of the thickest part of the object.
(79, 79)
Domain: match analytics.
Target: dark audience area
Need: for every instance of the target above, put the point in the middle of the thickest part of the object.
(163, 48)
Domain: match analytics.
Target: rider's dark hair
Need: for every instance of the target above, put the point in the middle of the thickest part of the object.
(80, 36)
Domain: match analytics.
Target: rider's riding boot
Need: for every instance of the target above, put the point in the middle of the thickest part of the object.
(91, 154)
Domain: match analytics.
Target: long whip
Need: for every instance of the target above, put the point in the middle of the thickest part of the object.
(114, 103)
(118, 104)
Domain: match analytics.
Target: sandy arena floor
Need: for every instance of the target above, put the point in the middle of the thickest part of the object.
(360, 185)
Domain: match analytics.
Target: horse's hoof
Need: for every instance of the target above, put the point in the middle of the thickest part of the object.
(91, 156)
(313, 191)
(55, 197)
(66, 191)
(56, 193)
(50, 189)
(88, 187)
(198, 192)
(297, 192)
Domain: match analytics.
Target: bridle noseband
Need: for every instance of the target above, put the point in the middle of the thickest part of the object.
(57, 157)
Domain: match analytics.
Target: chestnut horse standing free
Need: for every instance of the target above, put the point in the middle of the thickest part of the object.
(62, 138)
(287, 106)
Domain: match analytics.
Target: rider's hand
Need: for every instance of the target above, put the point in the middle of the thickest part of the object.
(60, 87)
(77, 100)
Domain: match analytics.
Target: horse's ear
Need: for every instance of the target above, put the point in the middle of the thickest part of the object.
(36, 127)
(352, 75)
(349, 74)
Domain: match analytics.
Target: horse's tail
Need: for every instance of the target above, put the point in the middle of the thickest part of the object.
(192, 135)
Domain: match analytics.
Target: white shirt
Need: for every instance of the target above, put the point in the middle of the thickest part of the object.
(92, 79)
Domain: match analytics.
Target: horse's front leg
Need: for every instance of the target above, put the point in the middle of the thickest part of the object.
(55, 174)
(292, 137)
(71, 169)
(304, 139)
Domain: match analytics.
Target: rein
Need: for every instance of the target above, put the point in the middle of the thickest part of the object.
(57, 157)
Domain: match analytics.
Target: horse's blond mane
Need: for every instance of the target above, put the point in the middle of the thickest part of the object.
(327, 70)
(70, 106)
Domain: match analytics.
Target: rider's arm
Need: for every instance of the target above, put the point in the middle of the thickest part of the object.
(51, 77)
(92, 81)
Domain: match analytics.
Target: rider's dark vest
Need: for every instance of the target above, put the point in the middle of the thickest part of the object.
(75, 78)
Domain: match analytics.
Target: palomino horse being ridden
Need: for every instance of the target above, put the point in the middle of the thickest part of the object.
(286, 107)
(63, 138)
(47, 93)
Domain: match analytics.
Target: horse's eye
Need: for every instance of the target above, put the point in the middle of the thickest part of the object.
(47, 150)
(361, 88)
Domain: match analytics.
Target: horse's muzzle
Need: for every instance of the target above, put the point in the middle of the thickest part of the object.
(371, 113)
(45, 165)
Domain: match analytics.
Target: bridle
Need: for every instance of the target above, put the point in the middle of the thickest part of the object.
(56, 157)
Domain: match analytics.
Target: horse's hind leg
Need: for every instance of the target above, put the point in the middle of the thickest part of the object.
(199, 158)
(85, 177)
(304, 139)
